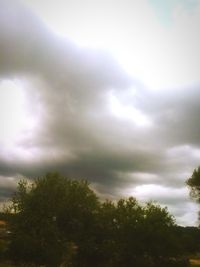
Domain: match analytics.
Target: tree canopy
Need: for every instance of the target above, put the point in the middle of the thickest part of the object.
(59, 220)
(50, 214)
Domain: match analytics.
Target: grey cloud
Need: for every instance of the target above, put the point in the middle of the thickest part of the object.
(176, 114)
(71, 81)
(28, 47)
(77, 134)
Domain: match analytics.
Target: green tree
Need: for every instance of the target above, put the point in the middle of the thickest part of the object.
(160, 242)
(131, 234)
(52, 216)
(194, 183)
(144, 234)
(58, 220)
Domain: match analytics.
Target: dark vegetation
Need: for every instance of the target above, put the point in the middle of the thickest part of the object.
(56, 220)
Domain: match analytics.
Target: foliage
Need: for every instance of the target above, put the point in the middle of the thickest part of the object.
(143, 233)
(190, 239)
(58, 220)
(50, 214)
(194, 183)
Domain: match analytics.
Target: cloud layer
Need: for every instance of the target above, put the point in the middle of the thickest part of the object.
(90, 120)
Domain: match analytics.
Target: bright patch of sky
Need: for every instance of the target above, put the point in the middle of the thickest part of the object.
(127, 112)
(15, 118)
(12, 115)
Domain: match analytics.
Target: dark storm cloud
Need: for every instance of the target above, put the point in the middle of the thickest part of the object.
(176, 112)
(71, 84)
(69, 89)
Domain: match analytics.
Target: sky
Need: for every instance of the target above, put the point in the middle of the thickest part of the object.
(106, 91)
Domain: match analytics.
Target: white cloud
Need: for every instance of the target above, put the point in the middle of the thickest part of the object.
(127, 112)
(14, 116)
(161, 57)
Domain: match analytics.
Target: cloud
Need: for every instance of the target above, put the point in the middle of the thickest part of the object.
(161, 56)
(144, 139)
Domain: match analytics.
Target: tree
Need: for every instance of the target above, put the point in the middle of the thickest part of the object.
(144, 234)
(52, 214)
(137, 235)
(58, 220)
(194, 183)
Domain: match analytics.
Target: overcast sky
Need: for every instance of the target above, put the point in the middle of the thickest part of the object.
(102, 90)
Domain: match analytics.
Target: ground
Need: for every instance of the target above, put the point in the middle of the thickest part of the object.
(194, 262)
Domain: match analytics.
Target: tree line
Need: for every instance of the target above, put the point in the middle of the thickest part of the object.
(56, 221)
